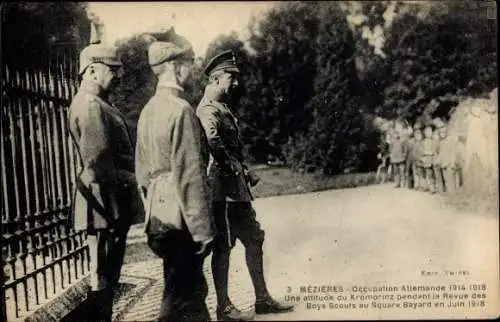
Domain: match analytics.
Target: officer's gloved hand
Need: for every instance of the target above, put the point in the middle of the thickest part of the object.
(205, 247)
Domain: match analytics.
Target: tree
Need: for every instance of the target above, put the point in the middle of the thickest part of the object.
(138, 82)
(195, 85)
(30, 28)
(294, 66)
(370, 24)
(335, 140)
(282, 79)
(438, 51)
(227, 42)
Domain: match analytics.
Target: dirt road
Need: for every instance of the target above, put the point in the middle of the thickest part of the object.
(363, 242)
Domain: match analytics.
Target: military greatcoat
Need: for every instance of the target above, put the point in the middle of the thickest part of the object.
(108, 196)
(171, 160)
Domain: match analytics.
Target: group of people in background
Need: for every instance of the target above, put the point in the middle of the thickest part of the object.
(423, 157)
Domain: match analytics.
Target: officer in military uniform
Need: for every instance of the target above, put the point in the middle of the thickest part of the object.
(171, 160)
(106, 197)
(235, 218)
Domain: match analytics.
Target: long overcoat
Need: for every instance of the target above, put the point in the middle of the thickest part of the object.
(171, 160)
(106, 193)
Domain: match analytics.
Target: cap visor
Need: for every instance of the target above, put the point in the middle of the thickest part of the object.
(114, 63)
(232, 69)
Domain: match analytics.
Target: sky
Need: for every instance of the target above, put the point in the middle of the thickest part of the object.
(199, 22)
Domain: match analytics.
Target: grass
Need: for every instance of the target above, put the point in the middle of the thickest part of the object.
(279, 181)
(485, 203)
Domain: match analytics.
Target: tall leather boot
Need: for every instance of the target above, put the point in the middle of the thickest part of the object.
(91, 302)
(264, 303)
(255, 264)
(99, 307)
(226, 311)
(106, 305)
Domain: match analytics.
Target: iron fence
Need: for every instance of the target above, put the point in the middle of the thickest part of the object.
(41, 254)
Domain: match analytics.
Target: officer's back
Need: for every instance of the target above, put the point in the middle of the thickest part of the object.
(155, 127)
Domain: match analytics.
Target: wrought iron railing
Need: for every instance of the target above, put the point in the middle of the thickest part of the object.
(41, 255)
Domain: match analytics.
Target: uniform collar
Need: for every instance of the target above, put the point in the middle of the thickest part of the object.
(173, 89)
(214, 102)
(170, 86)
(95, 90)
(225, 107)
(211, 96)
(92, 88)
